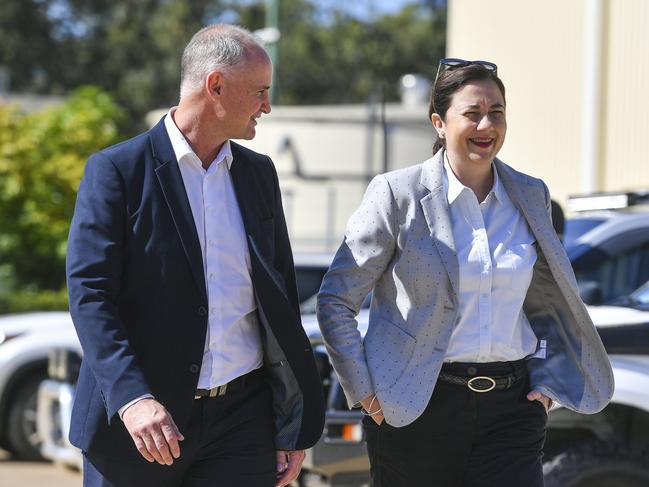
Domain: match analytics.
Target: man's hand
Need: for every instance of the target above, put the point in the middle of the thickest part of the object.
(542, 398)
(289, 464)
(154, 432)
(367, 403)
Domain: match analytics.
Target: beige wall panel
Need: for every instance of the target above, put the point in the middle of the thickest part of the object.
(317, 213)
(538, 49)
(333, 142)
(627, 100)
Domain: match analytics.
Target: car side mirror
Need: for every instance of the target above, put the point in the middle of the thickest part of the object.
(590, 292)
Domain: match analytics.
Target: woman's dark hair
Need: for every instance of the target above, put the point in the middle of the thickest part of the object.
(450, 81)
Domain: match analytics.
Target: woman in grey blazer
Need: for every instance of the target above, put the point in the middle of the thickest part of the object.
(476, 325)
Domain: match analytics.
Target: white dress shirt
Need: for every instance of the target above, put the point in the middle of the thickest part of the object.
(233, 343)
(496, 255)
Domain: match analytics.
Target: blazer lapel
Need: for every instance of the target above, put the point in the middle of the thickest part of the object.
(528, 198)
(243, 183)
(437, 214)
(173, 189)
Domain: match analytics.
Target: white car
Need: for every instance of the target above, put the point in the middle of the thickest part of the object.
(25, 343)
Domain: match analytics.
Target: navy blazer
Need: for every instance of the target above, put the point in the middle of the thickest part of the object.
(138, 299)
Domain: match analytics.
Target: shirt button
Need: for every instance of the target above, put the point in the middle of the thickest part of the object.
(193, 368)
(202, 310)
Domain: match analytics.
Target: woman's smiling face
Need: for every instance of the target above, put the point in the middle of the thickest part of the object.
(475, 123)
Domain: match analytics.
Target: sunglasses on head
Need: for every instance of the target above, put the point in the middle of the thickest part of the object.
(452, 63)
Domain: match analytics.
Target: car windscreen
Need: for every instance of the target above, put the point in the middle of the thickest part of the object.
(576, 227)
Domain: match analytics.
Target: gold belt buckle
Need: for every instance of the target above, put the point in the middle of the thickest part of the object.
(481, 377)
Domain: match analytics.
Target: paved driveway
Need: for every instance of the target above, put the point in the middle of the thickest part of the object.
(35, 474)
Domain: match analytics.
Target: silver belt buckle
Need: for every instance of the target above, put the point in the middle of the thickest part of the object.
(481, 377)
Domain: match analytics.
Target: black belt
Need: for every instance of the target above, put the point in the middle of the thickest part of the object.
(234, 385)
(479, 378)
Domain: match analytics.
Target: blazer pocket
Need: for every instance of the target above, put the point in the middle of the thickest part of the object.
(388, 350)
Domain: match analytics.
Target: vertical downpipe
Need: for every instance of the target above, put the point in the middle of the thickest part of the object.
(592, 96)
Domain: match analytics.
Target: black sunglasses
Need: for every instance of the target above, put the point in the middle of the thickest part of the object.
(452, 63)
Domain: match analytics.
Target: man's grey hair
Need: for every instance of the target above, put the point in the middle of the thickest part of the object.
(215, 47)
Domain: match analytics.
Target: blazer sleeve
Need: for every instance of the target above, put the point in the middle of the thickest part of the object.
(365, 253)
(94, 271)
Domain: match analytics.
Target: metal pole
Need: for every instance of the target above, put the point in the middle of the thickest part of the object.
(369, 137)
(384, 131)
(272, 21)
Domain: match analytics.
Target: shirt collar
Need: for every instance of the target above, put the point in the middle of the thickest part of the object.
(182, 149)
(454, 187)
(497, 189)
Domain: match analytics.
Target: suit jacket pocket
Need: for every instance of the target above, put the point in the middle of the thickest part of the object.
(388, 349)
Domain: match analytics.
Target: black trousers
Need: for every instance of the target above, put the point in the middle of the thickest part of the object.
(228, 442)
(463, 439)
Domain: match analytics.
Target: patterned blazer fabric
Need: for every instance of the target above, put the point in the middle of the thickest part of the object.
(399, 245)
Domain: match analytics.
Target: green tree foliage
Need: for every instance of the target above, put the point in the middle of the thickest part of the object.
(329, 55)
(328, 52)
(130, 49)
(42, 156)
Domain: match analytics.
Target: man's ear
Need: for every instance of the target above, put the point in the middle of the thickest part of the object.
(214, 83)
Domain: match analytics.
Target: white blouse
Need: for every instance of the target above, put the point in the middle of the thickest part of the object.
(496, 255)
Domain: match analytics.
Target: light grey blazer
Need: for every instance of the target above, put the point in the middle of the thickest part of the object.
(399, 243)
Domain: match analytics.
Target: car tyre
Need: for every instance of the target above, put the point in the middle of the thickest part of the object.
(21, 426)
(597, 464)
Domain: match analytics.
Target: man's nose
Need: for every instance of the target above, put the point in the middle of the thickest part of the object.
(265, 106)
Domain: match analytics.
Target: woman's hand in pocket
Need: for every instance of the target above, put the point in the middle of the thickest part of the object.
(542, 398)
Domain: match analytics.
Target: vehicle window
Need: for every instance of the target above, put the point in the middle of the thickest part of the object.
(576, 227)
(641, 295)
(309, 279)
(617, 276)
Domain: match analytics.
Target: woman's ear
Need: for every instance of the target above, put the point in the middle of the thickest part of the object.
(438, 123)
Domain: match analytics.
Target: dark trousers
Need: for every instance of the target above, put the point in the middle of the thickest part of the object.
(228, 442)
(463, 439)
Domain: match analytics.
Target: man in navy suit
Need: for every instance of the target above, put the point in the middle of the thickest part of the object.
(196, 369)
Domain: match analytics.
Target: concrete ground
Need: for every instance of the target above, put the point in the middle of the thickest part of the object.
(41, 474)
(35, 474)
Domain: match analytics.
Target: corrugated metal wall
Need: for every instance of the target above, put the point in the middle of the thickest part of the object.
(626, 108)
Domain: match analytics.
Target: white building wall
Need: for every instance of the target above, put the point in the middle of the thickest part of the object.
(336, 146)
(541, 52)
(537, 47)
(626, 108)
